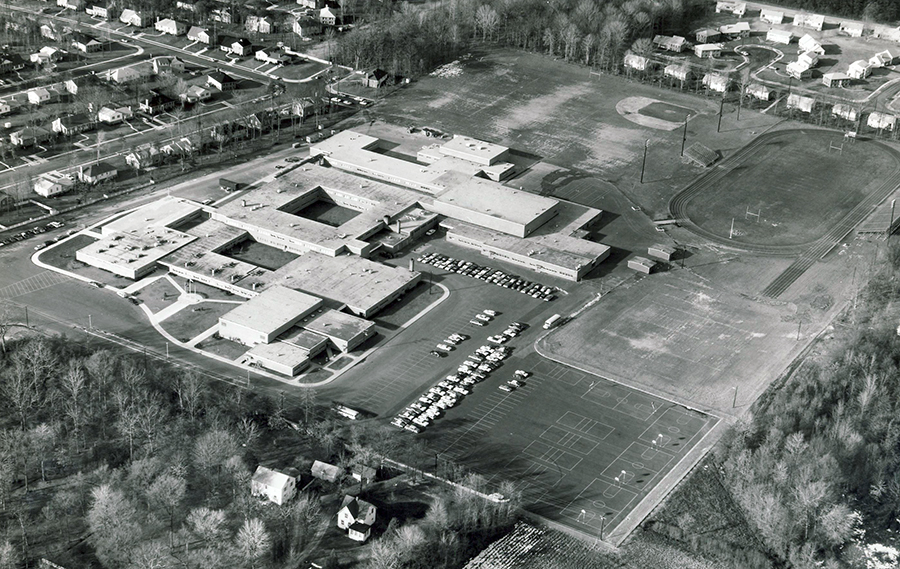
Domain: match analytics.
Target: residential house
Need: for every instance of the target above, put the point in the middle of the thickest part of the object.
(845, 111)
(144, 157)
(376, 78)
(70, 4)
(47, 54)
(312, 4)
(859, 69)
(716, 82)
(307, 27)
(53, 183)
(221, 14)
(182, 147)
(801, 103)
(72, 124)
(273, 56)
(11, 62)
(167, 64)
(736, 8)
(799, 70)
(134, 18)
(196, 94)
(273, 485)
(809, 59)
(186, 5)
(673, 43)
(29, 136)
(886, 32)
(882, 59)
(38, 96)
(634, 61)
(814, 21)
(100, 10)
(736, 30)
(221, 81)
(357, 517)
(780, 36)
(130, 73)
(852, 29)
(97, 173)
(260, 24)
(53, 32)
(707, 35)
(108, 115)
(171, 27)
(882, 121)
(759, 91)
(770, 16)
(198, 34)
(155, 103)
(5, 108)
(678, 71)
(73, 85)
(330, 15)
(242, 47)
(305, 107)
(224, 42)
(835, 79)
(363, 473)
(708, 50)
(6, 201)
(85, 43)
(325, 471)
(809, 43)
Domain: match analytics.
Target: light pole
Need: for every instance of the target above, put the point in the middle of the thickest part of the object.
(734, 399)
(890, 229)
(644, 161)
(684, 134)
(90, 323)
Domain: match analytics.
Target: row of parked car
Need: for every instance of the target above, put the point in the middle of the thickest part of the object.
(476, 368)
(488, 274)
(32, 232)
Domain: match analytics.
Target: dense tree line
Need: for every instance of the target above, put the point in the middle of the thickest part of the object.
(872, 10)
(412, 42)
(818, 465)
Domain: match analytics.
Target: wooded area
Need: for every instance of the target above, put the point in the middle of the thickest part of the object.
(871, 10)
(818, 466)
(135, 464)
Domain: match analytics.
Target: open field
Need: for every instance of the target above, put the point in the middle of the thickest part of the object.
(793, 180)
(672, 334)
(189, 322)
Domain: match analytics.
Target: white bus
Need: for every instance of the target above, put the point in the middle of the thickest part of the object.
(552, 321)
(345, 411)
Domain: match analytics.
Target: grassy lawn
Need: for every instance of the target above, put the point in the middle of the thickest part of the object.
(158, 295)
(798, 186)
(222, 347)
(193, 320)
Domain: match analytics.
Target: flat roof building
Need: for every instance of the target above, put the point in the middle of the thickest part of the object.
(641, 265)
(477, 151)
(165, 212)
(663, 252)
(344, 330)
(264, 317)
(280, 357)
(135, 254)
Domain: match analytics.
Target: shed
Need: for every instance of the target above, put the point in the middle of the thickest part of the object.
(664, 252)
(641, 265)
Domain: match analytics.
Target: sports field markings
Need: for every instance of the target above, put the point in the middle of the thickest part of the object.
(672, 430)
(33, 283)
(566, 439)
(633, 403)
(638, 466)
(599, 499)
(547, 453)
(585, 425)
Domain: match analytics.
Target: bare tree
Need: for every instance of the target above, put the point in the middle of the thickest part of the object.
(253, 541)
(166, 493)
(487, 19)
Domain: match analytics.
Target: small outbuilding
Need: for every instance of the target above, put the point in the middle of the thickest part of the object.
(664, 252)
(641, 265)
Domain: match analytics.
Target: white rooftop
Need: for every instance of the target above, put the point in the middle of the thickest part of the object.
(272, 309)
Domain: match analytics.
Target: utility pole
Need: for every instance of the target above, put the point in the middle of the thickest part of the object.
(721, 109)
(891, 226)
(644, 161)
(731, 233)
(684, 134)
(734, 399)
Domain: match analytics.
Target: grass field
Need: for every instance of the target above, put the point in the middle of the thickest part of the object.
(191, 321)
(674, 335)
(799, 187)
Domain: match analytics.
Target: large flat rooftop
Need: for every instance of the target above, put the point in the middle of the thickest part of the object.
(335, 324)
(273, 309)
(162, 213)
(474, 150)
(136, 248)
(359, 283)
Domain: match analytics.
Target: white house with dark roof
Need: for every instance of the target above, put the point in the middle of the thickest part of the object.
(357, 517)
(273, 485)
(97, 173)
